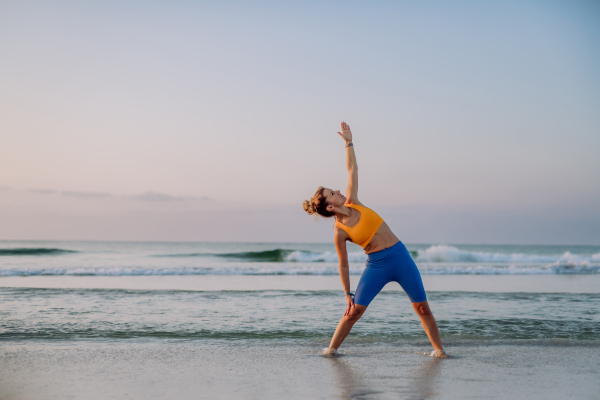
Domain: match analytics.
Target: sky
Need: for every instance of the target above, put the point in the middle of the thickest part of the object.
(473, 121)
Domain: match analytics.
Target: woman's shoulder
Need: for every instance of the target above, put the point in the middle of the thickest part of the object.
(339, 232)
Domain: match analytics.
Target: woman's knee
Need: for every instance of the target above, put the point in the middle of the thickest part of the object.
(355, 313)
(422, 309)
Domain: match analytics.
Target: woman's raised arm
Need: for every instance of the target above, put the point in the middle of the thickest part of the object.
(352, 189)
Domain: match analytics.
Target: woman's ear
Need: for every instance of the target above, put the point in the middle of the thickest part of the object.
(329, 208)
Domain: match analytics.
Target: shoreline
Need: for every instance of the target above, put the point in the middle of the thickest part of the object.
(432, 283)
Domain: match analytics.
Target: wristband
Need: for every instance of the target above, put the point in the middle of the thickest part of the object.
(350, 294)
(349, 144)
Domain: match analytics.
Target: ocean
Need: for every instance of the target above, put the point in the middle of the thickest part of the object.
(248, 320)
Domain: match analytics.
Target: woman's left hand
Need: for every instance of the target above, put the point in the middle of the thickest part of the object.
(350, 301)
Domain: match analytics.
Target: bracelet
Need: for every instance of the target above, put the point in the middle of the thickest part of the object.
(349, 144)
(350, 294)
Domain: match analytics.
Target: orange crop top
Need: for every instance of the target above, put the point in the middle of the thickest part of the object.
(365, 229)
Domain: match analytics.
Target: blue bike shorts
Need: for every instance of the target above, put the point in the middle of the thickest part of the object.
(391, 264)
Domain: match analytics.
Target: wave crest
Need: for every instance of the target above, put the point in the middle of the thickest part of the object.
(433, 254)
(28, 251)
(451, 254)
(278, 255)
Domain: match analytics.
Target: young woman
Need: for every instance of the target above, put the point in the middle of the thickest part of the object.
(388, 259)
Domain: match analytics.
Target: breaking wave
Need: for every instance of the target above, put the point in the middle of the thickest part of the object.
(281, 255)
(433, 254)
(434, 260)
(27, 251)
(276, 255)
(443, 253)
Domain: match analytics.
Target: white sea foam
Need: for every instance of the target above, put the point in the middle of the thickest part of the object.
(328, 256)
(558, 268)
(442, 253)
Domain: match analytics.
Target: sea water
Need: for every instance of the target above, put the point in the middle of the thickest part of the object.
(137, 258)
(247, 313)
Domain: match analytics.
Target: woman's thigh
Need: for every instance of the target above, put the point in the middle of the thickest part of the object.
(408, 276)
(370, 284)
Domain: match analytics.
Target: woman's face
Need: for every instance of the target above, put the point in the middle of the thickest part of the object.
(334, 197)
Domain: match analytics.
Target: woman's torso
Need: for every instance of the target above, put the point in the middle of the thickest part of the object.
(383, 237)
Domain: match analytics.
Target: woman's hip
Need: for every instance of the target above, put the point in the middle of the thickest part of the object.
(389, 258)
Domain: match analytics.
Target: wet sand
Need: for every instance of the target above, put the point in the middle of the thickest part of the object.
(190, 370)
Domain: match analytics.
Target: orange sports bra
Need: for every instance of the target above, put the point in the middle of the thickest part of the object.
(365, 229)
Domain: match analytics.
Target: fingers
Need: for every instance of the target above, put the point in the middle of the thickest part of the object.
(345, 133)
(350, 306)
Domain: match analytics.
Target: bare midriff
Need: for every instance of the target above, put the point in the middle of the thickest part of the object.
(384, 238)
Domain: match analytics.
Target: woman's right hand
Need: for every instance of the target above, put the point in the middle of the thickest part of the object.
(345, 133)
(350, 300)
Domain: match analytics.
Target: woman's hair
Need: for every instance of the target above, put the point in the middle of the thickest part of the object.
(317, 204)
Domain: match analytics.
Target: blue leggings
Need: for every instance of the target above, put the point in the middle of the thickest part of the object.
(391, 264)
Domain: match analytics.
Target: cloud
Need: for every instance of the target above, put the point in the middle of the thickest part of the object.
(42, 191)
(86, 195)
(156, 196)
(150, 196)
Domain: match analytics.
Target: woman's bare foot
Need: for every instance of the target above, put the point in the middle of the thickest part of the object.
(329, 352)
(439, 354)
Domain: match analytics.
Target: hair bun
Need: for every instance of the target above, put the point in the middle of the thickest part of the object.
(309, 207)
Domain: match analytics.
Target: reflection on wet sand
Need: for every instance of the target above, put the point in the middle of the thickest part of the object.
(424, 378)
(356, 380)
(350, 379)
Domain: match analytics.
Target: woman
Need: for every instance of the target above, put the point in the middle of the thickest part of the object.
(388, 259)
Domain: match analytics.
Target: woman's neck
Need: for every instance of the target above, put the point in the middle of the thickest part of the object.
(343, 212)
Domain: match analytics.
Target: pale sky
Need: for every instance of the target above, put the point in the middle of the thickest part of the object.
(473, 122)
